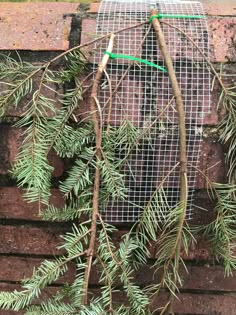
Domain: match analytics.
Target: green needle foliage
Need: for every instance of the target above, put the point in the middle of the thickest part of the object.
(221, 233)
(89, 245)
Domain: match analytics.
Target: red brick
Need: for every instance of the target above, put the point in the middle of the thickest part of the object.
(93, 7)
(13, 206)
(197, 278)
(25, 239)
(35, 26)
(211, 164)
(17, 268)
(204, 304)
(222, 33)
(222, 8)
(201, 304)
(88, 30)
(11, 140)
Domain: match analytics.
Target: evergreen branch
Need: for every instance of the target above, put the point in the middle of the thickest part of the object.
(70, 103)
(31, 167)
(221, 232)
(52, 308)
(112, 178)
(19, 82)
(148, 223)
(107, 240)
(69, 212)
(47, 273)
(98, 139)
(108, 281)
(79, 175)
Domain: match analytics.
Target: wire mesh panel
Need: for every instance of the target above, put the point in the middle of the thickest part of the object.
(142, 95)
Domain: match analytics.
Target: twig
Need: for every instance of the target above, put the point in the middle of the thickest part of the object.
(110, 101)
(182, 139)
(98, 138)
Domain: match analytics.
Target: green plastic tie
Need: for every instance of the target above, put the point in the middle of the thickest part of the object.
(175, 16)
(146, 62)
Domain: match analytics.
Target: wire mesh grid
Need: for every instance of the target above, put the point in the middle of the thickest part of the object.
(145, 98)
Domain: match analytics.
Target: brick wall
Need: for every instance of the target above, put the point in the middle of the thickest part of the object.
(42, 30)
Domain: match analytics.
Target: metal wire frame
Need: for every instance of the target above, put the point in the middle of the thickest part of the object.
(145, 98)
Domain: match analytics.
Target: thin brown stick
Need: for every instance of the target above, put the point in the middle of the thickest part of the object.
(96, 110)
(110, 101)
(97, 40)
(182, 139)
(179, 104)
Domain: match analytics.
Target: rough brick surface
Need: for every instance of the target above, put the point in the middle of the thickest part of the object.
(222, 33)
(17, 268)
(35, 26)
(12, 205)
(25, 239)
(200, 304)
(211, 164)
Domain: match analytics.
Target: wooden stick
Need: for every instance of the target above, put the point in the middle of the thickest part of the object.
(182, 139)
(179, 104)
(98, 137)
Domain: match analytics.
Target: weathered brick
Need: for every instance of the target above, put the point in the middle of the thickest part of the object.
(93, 8)
(13, 206)
(37, 26)
(201, 304)
(222, 33)
(211, 164)
(26, 239)
(222, 8)
(16, 268)
(88, 30)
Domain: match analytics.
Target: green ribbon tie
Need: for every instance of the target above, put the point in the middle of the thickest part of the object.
(175, 16)
(146, 62)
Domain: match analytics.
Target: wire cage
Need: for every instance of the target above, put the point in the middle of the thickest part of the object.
(143, 95)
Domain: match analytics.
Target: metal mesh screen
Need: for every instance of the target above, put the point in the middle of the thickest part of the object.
(145, 97)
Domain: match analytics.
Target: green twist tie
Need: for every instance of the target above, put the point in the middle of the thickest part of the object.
(146, 62)
(175, 16)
